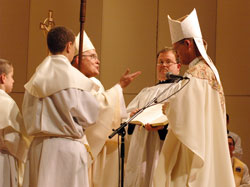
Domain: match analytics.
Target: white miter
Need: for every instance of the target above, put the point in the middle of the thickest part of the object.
(188, 27)
(87, 45)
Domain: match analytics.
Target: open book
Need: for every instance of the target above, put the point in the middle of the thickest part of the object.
(152, 115)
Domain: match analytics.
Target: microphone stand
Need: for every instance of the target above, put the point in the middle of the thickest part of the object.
(121, 133)
(121, 130)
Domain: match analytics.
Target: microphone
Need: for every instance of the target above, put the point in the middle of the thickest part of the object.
(170, 75)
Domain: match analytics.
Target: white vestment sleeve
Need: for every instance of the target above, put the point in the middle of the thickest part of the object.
(105, 151)
(122, 102)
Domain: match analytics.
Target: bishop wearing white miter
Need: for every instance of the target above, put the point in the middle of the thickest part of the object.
(195, 153)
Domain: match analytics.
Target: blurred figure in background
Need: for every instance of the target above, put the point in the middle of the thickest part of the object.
(240, 169)
(238, 152)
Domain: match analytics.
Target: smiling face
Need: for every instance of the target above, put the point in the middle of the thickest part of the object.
(90, 63)
(167, 62)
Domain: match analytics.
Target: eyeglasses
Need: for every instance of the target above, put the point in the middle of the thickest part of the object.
(167, 63)
(92, 56)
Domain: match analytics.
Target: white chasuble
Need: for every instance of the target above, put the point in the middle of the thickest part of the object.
(196, 151)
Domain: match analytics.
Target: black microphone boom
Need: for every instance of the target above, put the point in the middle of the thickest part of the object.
(170, 75)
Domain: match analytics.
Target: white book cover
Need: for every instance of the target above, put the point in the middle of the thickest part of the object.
(152, 115)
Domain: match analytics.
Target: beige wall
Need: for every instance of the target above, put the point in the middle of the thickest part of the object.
(128, 41)
(63, 15)
(128, 34)
(232, 56)
(14, 33)
(67, 14)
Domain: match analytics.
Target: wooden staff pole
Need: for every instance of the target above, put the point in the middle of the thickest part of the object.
(82, 21)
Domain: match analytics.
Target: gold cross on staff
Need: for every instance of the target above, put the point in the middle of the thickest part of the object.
(47, 24)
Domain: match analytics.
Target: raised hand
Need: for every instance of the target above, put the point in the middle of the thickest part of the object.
(127, 78)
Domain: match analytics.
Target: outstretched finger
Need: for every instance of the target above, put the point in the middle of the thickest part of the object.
(126, 72)
(135, 74)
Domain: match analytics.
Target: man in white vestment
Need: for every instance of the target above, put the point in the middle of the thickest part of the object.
(195, 154)
(13, 141)
(240, 169)
(145, 143)
(57, 108)
(104, 170)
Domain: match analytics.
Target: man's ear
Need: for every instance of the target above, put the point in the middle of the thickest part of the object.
(2, 78)
(76, 62)
(187, 42)
(68, 46)
(179, 66)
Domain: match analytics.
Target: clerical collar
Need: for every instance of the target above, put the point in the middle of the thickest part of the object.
(194, 62)
(166, 81)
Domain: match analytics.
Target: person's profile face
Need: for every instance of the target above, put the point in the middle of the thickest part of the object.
(166, 62)
(90, 63)
(181, 51)
(9, 80)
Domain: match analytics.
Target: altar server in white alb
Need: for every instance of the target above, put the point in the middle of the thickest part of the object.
(195, 153)
(57, 108)
(104, 170)
(14, 143)
(145, 143)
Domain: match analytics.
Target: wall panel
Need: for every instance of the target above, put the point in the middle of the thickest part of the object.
(238, 108)
(128, 41)
(14, 30)
(232, 44)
